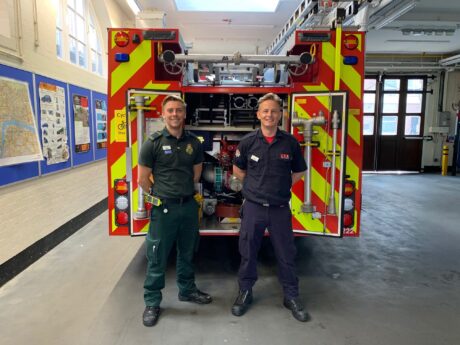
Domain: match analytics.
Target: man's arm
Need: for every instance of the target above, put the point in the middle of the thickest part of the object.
(297, 176)
(144, 178)
(197, 168)
(239, 173)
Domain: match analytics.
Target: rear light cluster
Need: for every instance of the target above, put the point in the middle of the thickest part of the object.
(349, 191)
(121, 196)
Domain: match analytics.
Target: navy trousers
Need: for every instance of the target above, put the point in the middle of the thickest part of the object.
(255, 219)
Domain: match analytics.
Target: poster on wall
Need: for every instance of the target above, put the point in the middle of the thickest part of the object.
(53, 123)
(19, 141)
(81, 123)
(101, 123)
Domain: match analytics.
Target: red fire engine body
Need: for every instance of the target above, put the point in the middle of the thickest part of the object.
(320, 81)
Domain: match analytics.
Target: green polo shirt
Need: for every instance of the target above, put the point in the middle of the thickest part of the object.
(172, 161)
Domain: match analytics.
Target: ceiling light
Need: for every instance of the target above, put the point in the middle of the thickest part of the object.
(133, 6)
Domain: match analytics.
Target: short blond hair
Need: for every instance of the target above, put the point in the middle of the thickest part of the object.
(270, 97)
(173, 98)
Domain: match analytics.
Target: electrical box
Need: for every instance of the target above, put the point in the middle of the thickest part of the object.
(439, 130)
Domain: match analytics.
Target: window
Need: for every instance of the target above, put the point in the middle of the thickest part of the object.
(77, 37)
(369, 105)
(412, 125)
(368, 125)
(369, 102)
(389, 125)
(9, 18)
(390, 103)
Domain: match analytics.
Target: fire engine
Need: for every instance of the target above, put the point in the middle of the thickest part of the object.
(320, 81)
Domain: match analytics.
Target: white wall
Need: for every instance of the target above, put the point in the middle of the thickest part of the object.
(432, 150)
(37, 52)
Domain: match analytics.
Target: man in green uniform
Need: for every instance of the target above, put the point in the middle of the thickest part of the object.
(174, 158)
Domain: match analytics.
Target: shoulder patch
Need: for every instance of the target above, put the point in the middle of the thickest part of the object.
(156, 135)
(200, 139)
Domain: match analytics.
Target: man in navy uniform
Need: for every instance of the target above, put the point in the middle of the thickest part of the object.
(174, 157)
(268, 161)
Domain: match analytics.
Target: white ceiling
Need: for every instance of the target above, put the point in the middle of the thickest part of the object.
(251, 33)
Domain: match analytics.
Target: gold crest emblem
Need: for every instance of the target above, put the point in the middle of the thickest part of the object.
(189, 149)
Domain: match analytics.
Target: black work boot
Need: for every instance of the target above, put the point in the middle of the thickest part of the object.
(196, 297)
(298, 311)
(150, 316)
(242, 302)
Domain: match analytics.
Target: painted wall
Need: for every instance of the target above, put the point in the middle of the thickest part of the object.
(432, 150)
(37, 46)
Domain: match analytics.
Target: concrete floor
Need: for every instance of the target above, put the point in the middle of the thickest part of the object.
(399, 283)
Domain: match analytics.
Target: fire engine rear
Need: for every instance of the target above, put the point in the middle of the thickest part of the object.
(320, 82)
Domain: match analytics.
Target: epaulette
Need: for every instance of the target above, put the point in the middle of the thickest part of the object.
(156, 135)
(193, 135)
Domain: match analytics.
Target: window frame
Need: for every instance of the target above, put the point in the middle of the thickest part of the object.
(85, 54)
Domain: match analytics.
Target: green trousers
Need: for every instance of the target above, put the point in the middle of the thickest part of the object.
(178, 224)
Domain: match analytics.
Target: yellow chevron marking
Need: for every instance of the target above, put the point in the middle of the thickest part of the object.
(313, 88)
(354, 126)
(113, 39)
(117, 170)
(153, 86)
(114, 225)
(145, 228)
(328, 54)
(324, 100)
(353, 171)
(352, 79)
(135, 203)
(323, 137)
(349, 76)
(126, 70)
(308, 223)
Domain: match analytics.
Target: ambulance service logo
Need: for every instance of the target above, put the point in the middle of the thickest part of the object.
(189, 149)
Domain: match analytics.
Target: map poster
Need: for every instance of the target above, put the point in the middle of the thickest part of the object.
(101, 123)
(53, 123)
(81, 123)
(19, 141)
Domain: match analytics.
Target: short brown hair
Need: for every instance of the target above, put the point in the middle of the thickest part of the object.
(173, 98)
(270, 97)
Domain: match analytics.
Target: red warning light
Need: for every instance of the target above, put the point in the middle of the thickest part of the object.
(347, 220)
(348, 189)
(121, 39)
(122, 218)
(121, 187)
(350, 42)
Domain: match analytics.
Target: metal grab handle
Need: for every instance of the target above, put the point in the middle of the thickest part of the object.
(425, 137)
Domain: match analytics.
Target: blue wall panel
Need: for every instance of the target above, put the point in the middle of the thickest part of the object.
(44, 167)
(100, 152)
(88, 156)
(19, 172)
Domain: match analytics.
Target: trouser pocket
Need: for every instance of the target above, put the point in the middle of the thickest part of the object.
(153, 251)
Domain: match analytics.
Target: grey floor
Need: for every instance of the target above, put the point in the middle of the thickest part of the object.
(399, 283)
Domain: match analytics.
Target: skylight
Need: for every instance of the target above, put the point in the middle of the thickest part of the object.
(227, 6)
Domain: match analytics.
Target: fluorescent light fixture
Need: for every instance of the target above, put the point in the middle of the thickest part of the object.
(133, 6)
(428, 31)
(396, 12)
(227, 6)
(453, 60)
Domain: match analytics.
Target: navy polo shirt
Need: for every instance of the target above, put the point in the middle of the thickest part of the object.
(269, 166)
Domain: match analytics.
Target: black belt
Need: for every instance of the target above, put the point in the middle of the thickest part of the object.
(181, 200)
(267, 204)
